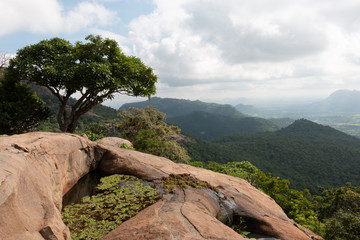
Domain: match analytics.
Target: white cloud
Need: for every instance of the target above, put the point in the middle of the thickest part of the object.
(122, 41)
(253, 45)
(44, 16)
(88, 14)
(211, 47)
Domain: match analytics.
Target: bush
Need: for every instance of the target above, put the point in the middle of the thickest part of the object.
(147, 130)
(98, 128)
(343, 226)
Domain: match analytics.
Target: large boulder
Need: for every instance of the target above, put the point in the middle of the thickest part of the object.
(37, 169)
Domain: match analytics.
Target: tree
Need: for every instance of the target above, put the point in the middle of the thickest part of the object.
(95, 131)
(96, 70)
(4, 60)
(98, 128)
(148, 131)
(339, 208)
(20, 109)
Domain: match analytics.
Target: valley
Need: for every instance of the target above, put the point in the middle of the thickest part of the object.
(320, 152)
(315, 151)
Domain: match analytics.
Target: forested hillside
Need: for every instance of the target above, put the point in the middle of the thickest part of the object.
(308, 154)
(208, 121)
(208, 126)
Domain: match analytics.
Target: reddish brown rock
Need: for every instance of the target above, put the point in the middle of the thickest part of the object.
(141, 165)
(37, 169)
(114, 142)
(263, 214)
(187, 214)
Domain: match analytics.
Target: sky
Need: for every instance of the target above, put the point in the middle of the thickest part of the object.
(218, 51)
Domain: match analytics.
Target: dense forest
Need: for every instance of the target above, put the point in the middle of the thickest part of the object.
(208, 126)
(208, 121)
(308, 154)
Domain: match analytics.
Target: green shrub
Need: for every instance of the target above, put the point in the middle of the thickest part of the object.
(98, 128)
(125, 146)
(93, 136)
(148, 131)
(343, 226)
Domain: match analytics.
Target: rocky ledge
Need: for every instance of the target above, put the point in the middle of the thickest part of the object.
(37, 169)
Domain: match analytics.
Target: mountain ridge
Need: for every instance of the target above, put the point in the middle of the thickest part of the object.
(208, 126)
(173, 107)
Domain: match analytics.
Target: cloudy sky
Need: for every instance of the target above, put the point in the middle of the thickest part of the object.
(210, 49)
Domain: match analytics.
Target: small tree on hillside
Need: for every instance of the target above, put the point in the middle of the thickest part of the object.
(96, 70)
(147, 130)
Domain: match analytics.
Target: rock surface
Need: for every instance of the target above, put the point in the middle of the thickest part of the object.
(114, 142)
(37, 169)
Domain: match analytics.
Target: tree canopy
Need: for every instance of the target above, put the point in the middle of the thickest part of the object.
(20, 109)
(95, 70)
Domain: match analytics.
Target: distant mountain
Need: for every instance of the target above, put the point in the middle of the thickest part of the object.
(308, 154)
(340, 110)
(206, 121)
(209, 126)
(179, 107)
(248, 109)
(281, 122)
(339, 102)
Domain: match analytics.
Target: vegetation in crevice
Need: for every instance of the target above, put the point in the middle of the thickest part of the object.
(125, 146)
(241, 228)
(182, 181)
(117, 198)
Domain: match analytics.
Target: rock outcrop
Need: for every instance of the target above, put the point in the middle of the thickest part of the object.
(37, 169)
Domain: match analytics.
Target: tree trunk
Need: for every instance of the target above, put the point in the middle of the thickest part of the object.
(72, 126)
